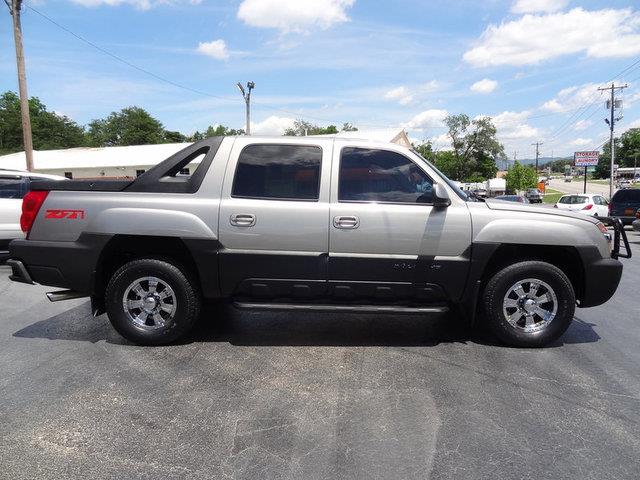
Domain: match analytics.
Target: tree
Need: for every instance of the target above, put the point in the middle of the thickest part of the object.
(520, 177)
(558, 166)
(425, 149)
(302, 127)
(216, 131)
(627, 147)
(347, 127)
(50, 130)
(475, 147)
(129, 126)
(174, 137)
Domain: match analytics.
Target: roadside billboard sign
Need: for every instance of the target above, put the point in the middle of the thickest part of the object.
(586, 159)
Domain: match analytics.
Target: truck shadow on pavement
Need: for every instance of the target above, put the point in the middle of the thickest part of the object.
(226, 324)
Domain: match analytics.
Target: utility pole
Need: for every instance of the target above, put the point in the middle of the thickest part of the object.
(537, 144)
(247, 100)
(611, 122)
(14, 9)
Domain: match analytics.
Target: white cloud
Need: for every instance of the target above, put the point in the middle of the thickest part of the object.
(401, 94)
(634, 124)
(216, 49)
(405, 95)
(428, 119)
(532, 39)
(629, 100)
(441, 142)
(484, 86)
(294, 15)
(572, 98)
(582, 125)
(514, 126)
(272, 125)
(533, 6)
(581, 142)
(139, 4)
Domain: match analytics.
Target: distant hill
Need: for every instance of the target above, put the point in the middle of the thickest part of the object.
(542, 160)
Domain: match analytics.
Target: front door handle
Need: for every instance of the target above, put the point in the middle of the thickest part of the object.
(242, 220)
(346, 222)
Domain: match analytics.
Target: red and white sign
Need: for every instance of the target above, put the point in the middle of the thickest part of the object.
(586, 159)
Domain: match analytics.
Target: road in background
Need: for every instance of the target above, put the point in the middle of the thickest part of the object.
(316, 396)
(577, 186)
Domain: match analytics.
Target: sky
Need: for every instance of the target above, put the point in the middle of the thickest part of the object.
(534, 66)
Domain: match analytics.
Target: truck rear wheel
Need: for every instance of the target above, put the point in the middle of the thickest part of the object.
(529, 304)
(152, 302)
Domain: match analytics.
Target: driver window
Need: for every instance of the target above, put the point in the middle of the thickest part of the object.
(373, 175)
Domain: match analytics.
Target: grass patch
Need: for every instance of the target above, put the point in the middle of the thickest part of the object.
(552, 196)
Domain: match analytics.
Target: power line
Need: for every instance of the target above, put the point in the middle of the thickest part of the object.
(159, 77)
(122, 60)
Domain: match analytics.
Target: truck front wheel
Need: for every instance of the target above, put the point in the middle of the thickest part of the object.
(529, 304)
(152, 302)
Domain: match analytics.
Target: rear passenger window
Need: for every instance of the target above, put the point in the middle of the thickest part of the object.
(15, 188)
(371, 175)
(285, 172)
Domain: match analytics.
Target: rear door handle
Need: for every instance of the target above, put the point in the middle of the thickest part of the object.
(346, 222)
(242, 219)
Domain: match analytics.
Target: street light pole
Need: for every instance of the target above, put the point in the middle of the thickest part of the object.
(246, 94)
(14, 9)
(611, 121)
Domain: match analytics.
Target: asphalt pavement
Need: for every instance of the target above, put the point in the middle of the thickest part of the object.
(316, 396)
(577, 186)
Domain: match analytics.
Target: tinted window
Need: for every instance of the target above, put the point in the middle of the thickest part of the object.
(278, 172)
(626, 196)
(574, 199)
(372, 175)
(13, 188)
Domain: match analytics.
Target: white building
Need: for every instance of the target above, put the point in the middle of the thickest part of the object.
(84, 162)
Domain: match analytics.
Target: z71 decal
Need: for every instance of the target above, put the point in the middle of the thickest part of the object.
(71, 214)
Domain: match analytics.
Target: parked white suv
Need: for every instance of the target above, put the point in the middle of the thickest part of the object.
(14, 185)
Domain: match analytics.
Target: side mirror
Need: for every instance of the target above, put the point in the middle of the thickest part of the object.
(440, 196)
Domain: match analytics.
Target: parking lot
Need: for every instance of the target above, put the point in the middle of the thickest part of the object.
(268, 395)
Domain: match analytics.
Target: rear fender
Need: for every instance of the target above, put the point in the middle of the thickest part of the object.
(150, 221)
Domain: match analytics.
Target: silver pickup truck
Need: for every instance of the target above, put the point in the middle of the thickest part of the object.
(310, 224)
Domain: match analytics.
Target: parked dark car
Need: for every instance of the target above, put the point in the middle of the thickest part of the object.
(533, 195)
(624, 205)
(513, 198)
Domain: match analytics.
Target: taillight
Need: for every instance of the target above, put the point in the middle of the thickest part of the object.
(588, 207)
(610, 208)
(31, 204)
(638, 214)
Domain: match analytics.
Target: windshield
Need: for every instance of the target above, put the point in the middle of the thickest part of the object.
(451, 184)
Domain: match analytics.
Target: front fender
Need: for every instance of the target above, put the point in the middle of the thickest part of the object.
(533, 232)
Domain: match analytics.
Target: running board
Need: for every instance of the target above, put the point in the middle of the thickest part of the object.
(339, 308)
(64, 295)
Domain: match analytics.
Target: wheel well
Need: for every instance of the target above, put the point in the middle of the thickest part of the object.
(565, 258)
(125, 248)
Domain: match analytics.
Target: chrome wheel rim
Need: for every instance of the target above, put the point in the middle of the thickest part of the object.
(150, 303)
(530, 305)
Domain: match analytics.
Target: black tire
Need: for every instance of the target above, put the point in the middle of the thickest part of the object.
(539, 333)
(183, 293)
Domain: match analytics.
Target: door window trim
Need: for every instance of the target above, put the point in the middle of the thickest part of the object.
(279, 199)
(429, 204)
